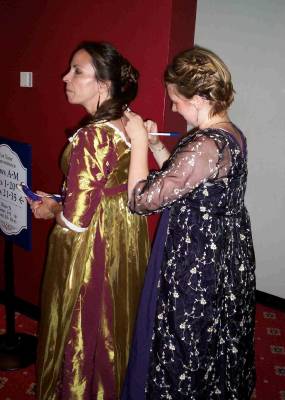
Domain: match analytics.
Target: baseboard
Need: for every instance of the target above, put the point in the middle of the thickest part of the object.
(270, 300)
(24, 307)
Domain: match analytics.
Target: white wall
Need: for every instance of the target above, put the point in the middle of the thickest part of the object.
(249, 36)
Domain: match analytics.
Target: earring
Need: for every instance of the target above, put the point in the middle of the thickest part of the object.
(98, 103)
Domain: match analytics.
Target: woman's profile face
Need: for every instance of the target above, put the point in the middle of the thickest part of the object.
(182, 105)
(81, 84)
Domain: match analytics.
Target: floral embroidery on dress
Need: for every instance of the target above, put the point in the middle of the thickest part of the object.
(202, 343)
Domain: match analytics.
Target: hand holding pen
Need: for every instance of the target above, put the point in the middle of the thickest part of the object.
(46, 207)
(155, 145)
(144, 133)
(151, 128)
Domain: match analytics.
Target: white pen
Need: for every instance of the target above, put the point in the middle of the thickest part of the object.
(158, 133)
(164, 133)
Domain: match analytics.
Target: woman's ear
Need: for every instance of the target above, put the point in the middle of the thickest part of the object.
(197, 101)
(105, 88)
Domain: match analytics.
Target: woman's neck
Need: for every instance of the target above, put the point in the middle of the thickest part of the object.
(215, 120)
(120, 124)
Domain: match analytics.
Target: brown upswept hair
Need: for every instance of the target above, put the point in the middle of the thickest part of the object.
(199, 71)
(111, 66)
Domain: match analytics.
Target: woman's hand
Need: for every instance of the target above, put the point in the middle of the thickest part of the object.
(153, 140)
(135, 128)
(46, 208)
(151, 126)
(156, 146)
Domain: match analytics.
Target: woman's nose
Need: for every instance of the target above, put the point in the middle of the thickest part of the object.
(66, 77)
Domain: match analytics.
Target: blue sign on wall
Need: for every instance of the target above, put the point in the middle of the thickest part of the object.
(15, 214)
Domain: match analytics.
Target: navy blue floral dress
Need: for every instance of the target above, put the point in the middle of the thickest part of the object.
(195, 341)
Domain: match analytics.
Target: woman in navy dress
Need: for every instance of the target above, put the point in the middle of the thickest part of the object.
(195, 327)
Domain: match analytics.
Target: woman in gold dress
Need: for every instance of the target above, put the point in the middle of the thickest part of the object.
(98, 250)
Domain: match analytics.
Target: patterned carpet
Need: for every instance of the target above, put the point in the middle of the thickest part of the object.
(20, 384)
(270, 353)
(270, 358)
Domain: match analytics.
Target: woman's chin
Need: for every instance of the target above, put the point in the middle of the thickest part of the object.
(70, 98)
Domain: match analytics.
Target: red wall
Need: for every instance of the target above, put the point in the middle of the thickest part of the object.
(39, 36)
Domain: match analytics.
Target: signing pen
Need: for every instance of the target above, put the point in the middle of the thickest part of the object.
(164, 133)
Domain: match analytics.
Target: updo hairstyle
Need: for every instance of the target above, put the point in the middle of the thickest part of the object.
(111, 66)
(201, 72)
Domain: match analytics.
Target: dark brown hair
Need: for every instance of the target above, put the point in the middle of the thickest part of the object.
(199, 71)
(111, 66)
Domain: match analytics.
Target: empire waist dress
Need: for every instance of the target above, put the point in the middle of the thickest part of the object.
(195, 326)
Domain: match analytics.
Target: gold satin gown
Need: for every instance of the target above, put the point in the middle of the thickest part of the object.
(94, 273)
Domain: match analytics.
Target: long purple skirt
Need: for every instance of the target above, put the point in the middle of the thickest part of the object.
(134, 386)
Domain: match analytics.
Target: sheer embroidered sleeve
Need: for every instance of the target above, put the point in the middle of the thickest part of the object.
(191, 164)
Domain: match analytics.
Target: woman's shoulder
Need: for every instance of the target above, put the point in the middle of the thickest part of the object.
(215, 135)
(101, 133)
(233, 139)
(206, 136)
(98, 132)
(203, 141)
(115, 132)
